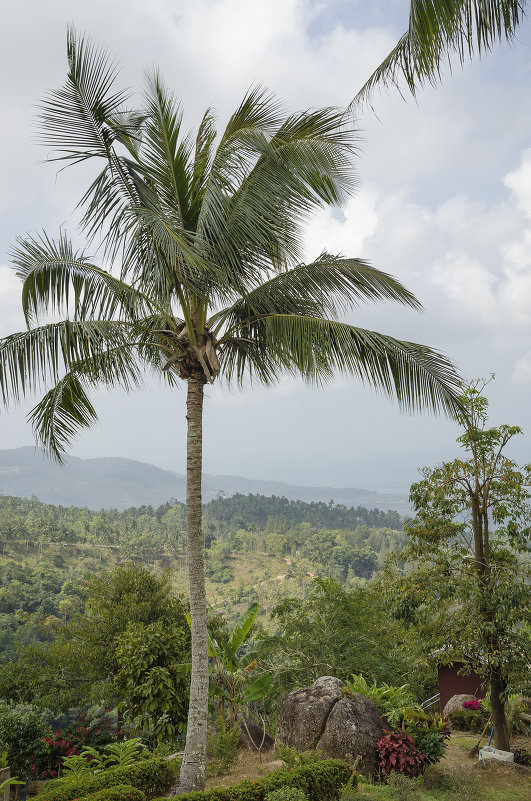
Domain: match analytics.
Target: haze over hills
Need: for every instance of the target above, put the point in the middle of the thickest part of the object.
(114, 482)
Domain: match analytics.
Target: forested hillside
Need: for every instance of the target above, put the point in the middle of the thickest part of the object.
(257, 548)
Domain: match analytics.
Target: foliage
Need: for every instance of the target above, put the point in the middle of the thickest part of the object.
(81, 663)
(293, 757)
(222, 747)
(319, 781)
(467, 582)
(232, 680)
(287, 794)
(348, 791)
(398, 754)
(123, 754)
(469, 719)
(119, 755)
(333, 631)
(391, 700)
(21, 735)
(154, 690)
(522, 756)
(11, 782)
(120, 792)
(152, 776)
(439, 30)
(429, 731)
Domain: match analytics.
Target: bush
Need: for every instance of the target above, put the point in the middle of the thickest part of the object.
(429, 732)
(21, 736)
(121, 792)
(222, 748)
(293, 758)
(398, 754)
(320, 781)
(287, 794)
(152, 776)
(390, 700)
(469, 719)
(521, 756)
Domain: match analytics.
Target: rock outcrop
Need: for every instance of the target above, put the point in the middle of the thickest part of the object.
(322, 718)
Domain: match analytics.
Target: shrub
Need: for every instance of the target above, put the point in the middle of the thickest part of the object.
(152, 776)
(222, 748)
(21, 736)
(474, 704)
(287, 794)
(120, 792)
(293, 758)
(521, 756)
(398, 754)
(469, 719)
(390, 700)
(320, 781)
(429, 732)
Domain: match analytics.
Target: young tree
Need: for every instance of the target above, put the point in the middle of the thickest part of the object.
(469, 590)
(208, 234)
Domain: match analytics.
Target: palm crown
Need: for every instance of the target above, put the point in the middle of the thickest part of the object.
(208, 234)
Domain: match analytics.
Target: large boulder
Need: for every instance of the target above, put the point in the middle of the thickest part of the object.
(321, 717)
(456, 702)
(303, 713)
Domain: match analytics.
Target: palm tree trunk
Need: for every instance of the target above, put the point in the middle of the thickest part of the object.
(193, 769)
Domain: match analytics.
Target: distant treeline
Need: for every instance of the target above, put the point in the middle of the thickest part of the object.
(255, 511)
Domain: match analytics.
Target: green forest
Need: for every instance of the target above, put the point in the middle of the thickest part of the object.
(257, 548)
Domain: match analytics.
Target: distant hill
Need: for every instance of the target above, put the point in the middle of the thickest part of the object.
(113, 482)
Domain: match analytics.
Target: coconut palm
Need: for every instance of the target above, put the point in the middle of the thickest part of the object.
(439, 29)
(207, 233)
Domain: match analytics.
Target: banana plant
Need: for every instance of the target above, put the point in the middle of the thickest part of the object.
(231, 682)
(230, 675)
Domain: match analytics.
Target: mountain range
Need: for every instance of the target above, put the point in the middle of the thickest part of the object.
(117, 483)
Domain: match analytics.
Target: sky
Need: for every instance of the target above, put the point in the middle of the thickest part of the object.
(444, 204)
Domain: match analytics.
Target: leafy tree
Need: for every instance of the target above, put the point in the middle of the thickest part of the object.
(21, 733)
(155, 692)
(469, 590)
(334, 631)
(81, 663)
(208, 231)
(439, 29)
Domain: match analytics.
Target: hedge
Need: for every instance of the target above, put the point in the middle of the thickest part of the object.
(321, 781)
(120, 792)
(151, 776)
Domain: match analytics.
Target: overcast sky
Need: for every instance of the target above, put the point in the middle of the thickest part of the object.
(444, 204)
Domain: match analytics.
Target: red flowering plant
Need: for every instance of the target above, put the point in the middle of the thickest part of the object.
(474, 704)
(398, 754)
(55, 747)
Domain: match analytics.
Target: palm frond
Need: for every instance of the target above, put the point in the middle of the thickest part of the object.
(55, 277)
(30, 359)
(328, 286)
(61, 414)
(417, 376)
(438, 30)
(167, 155)
(74, 119)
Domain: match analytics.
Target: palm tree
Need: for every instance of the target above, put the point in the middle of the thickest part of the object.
(208, 235)
(439, 28)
